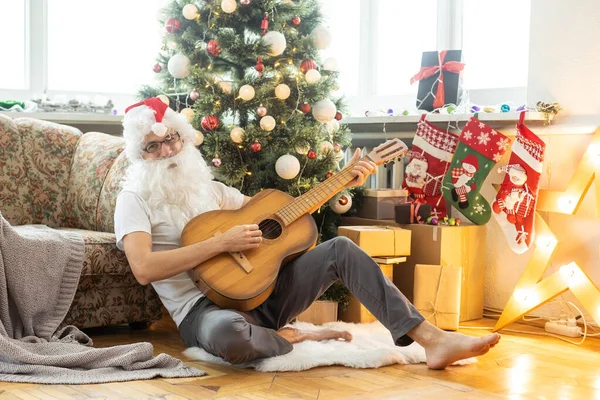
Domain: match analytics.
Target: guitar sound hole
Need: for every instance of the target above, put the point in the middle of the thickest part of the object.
(270, 229)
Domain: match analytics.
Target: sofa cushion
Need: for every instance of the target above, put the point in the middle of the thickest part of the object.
(108, 195)
(48, 149)
(93, 158)
(14, 185)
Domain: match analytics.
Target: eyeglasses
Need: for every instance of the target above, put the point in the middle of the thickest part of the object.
(170, 140)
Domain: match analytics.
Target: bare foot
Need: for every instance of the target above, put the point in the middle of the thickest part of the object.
(295, 335)
(450, 347)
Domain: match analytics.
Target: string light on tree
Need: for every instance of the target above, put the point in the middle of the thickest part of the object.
(287, 166)
(282, 91)
(341, 204)
(267, 123)
(190, 11)
(237, 134)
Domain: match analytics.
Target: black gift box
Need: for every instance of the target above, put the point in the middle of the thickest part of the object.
(452, 80)
(403, 213)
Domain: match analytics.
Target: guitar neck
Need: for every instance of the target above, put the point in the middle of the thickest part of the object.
(310, 201)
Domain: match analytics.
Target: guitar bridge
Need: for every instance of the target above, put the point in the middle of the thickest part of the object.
(239, 258)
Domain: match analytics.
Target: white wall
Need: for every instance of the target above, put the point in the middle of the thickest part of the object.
(564, 66)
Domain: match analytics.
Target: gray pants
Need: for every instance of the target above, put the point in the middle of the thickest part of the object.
(239, 336)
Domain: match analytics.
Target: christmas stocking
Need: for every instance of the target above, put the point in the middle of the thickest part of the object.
(479, 149)
(430, 155)
(514, 207)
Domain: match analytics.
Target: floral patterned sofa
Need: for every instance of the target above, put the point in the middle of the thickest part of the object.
(54, 175)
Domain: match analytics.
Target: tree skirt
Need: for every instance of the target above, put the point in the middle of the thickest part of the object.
(372, 346)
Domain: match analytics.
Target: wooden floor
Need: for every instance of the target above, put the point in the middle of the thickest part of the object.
(520, 367)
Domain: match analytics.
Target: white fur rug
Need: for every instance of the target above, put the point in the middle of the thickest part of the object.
(372, 346)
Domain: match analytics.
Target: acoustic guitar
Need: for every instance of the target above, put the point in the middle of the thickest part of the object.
(244, 280)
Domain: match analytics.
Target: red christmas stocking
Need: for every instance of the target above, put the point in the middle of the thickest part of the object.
(431, 152)
(514, 207)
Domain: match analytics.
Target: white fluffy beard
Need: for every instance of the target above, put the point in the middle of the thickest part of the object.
(180, 186)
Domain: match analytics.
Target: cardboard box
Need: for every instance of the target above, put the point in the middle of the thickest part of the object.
(380, 203)
(356, 312)
(437, 294)
(443, 245)
(379, 240)
(320, 312)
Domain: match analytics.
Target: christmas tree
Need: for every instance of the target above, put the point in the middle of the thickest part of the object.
(249, 77)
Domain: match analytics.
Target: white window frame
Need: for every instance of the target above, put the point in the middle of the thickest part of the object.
(449, 36)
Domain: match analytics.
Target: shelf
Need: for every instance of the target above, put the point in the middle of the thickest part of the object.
(413, 119)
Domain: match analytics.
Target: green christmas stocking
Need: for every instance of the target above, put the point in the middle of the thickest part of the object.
(479, 149)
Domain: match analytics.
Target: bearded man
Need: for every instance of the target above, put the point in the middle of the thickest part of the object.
(169, 183)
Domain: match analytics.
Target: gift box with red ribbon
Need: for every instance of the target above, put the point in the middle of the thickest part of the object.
(440, 80)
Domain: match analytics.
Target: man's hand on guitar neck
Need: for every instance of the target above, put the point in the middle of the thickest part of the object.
(361, 170)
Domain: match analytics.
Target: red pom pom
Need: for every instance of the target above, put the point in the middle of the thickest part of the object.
(312, 154)
(338, 116)
(256, 147)
(172, 25)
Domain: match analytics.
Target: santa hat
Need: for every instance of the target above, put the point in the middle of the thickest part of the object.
(152, 115)
(471, 159)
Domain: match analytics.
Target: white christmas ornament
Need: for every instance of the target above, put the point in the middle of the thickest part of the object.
(247, 92)
(282, 91)
(190, 11)
(287, 166)
(164, 98)
(199, 138)
(267, 123)
(237, 134)
(330, 64)
(276, 42)
(189, 113)
(179, 66)
(312, 76)
(325, 147)
(322, 37)
(333, 126)
(225, 87)
(324, 110)
(337, 206)
(228, 6)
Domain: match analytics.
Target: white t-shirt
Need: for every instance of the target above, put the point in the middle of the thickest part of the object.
(132, 214)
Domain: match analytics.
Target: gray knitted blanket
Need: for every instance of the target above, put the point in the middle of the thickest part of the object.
(39, 273)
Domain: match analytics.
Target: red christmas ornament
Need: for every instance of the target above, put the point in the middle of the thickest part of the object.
(343, 200)
(261, 111)
(256, 147)
(328, 175)
(157, 68)
(338, 116)
(311, 154)
(305, 108)
(209, 123)
(172, 25)
(296, 20)
(307, 64)
(217, 161)
(213, 47)
(264, 25)
(259, 66)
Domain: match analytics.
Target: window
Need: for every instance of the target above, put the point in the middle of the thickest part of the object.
(343, 19)
(403, 31)
(495, 43)
(13, 45)
(108, 48)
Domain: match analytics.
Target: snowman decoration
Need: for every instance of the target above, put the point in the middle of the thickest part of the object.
(415, 175)
(463, 180)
